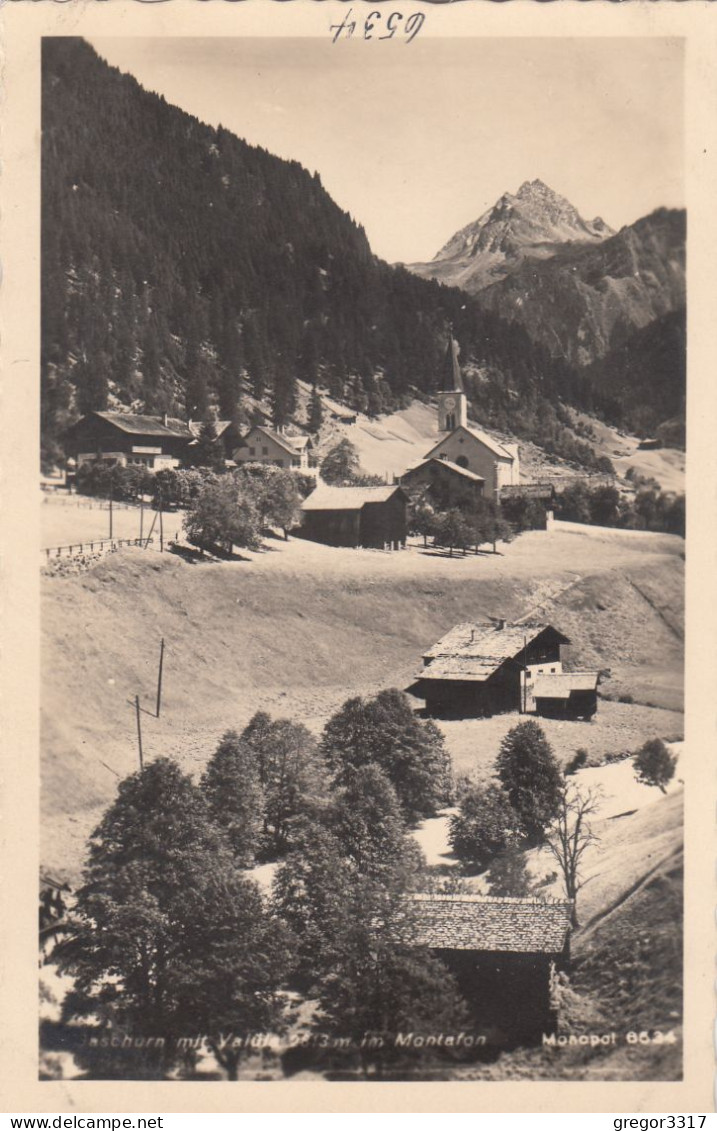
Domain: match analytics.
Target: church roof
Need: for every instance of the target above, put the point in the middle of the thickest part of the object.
(480, 922)
(452, 379)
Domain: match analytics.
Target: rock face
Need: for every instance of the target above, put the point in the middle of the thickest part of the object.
(534, 224)
(585, 301)
(576, 287)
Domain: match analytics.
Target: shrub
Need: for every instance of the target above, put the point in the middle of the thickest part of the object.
(654, 764)
(577, 761)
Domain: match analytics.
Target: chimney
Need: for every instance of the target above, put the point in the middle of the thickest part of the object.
(500, 625)
(165, 419)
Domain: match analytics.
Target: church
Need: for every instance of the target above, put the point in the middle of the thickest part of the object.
(471, 460)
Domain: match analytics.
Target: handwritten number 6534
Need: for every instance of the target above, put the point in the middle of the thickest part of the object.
(411, 25)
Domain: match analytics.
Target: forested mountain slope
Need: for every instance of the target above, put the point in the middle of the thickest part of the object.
(182, 268)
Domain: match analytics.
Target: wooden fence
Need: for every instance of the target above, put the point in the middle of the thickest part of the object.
(98, 543)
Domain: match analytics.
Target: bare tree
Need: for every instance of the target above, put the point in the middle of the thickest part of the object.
(570, 834)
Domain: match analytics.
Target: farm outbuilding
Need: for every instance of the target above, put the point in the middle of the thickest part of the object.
(571, 695)
(446, 484)
(478, 670)
(368, 517)
(505, 954)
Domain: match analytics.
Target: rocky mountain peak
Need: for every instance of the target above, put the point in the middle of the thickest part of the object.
(533, 223)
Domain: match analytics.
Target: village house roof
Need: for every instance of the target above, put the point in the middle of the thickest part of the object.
(291, 444)
(480, 922)
(488, 442)
(138, 425)
(220, 427)
(454, 467)
(474, 651)
(326, 498)
(560, 685)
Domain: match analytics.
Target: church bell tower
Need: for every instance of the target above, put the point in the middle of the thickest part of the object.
(452, 402)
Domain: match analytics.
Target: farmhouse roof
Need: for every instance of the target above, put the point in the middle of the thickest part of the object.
(490, 641)
(474, 651)
(560, 685)
(292, 444)
(326, 498)
(138, 425)
(454, 467)
(479, 922)
(493, 445)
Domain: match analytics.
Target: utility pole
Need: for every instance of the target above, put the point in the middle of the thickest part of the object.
(112, 490)
(525, 675)
(139, 731)
(161, 525)
(141, 518)
(159, 677)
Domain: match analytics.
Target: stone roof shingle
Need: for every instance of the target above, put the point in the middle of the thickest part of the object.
(477, 922)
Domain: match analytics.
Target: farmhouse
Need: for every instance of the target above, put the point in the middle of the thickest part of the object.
(154, 442)
(505, 954)
(478, 670)
(371, 517)
(263, 445)
(446, 484)
(498, 465)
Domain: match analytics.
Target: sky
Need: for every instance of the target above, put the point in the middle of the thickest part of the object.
(416, 141)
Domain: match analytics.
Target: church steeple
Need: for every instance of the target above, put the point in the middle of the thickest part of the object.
(452, 379)
(452, 402)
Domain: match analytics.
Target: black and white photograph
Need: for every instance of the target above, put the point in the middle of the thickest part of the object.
(361, 456)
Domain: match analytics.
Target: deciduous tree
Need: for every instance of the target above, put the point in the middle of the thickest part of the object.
(530, 775)
(232, 786)
(654, 764)
(167, 938)
(569, 836)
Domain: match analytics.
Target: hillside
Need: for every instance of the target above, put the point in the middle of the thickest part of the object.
(298, 629)
(184, 269)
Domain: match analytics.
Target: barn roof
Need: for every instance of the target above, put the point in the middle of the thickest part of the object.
(454, 467)
(479, 922)
(484, 439)
(326, 498)
(138, 425)
(560, 685)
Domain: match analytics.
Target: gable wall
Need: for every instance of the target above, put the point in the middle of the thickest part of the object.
(480, 459)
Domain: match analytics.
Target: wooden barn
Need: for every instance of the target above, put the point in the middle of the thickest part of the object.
(505, 954)
(570, 695)
(479, 670)
(368, 517)
(446, 484)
